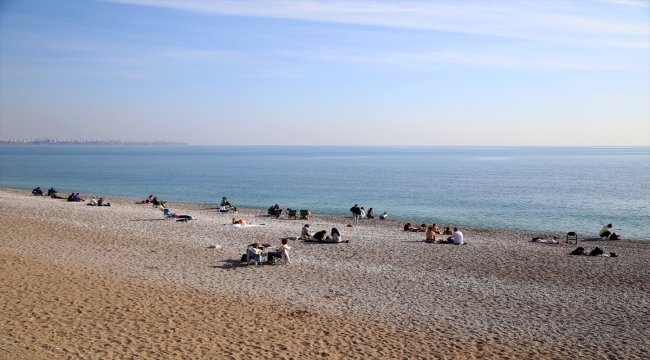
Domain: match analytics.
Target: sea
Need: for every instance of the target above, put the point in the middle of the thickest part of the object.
(539, 189)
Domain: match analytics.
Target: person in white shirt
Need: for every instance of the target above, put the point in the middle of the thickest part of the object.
(92, 202)
(383, 216)
(457, 237)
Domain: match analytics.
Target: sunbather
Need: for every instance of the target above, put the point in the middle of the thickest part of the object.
(430, 235)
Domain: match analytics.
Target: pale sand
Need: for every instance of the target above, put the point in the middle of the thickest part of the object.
(120, 281)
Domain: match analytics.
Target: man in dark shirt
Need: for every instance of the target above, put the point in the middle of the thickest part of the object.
(356, 213)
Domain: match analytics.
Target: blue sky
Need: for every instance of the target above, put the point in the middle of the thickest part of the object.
(327, 73)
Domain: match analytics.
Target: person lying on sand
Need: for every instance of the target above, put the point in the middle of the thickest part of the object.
(241, 222)
(408, 227)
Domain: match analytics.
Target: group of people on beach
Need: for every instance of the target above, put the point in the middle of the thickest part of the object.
(73, 197)
(360, 213)
(452, 237)
(334, 237)
(255, 251)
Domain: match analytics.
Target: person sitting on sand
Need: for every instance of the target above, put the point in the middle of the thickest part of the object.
(430, 235)
(157, 202)
(422, 228)
(71, 197)
(77, 198)
(277, 210)
(436, 229)
(102, 202)
(37, 192)
(278, 253)
(320, 235)
(305, 231)
(457, 237)
(371, 214)
(54, 194)
(448, 234)
(92, 202)
(225, 203)
(605, 233)
(254, 252)
(363, 213)
(408, 227)
(383, 216)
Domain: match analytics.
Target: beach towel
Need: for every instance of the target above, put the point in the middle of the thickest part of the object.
(239, 226)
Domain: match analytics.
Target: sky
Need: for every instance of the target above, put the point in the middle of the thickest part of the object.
(396, 73)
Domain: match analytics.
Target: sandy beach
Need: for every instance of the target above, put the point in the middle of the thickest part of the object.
(124, 282)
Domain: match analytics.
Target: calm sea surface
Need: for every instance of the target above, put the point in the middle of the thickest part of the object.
(540, 189)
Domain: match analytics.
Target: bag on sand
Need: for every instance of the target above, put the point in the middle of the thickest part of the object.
(578, 251)
(596, 252)
(243, 258)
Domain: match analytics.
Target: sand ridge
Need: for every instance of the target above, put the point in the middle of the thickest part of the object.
(498, 296)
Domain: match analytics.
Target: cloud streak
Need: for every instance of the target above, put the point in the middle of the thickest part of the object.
(555, 22)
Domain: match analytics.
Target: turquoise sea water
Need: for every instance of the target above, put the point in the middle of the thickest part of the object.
(529, 188)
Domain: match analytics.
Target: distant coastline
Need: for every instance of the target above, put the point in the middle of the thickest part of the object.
(86, 142)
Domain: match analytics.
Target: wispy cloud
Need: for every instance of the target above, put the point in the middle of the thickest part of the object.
(556, 22)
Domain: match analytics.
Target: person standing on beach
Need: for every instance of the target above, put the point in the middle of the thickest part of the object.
(457, 237)
(356, 212)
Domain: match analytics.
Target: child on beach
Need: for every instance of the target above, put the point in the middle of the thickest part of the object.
(383, 216)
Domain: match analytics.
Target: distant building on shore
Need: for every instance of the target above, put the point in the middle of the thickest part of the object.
(86, 142)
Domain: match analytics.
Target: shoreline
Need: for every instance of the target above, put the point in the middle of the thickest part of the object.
(499, 292)
(206, 205)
